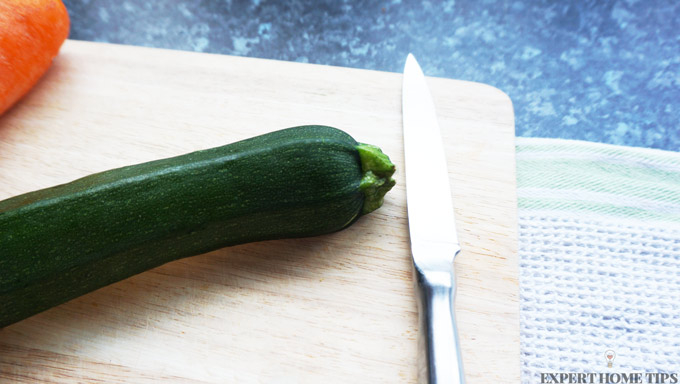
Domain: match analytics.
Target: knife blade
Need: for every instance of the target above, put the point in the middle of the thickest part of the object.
(432, 229)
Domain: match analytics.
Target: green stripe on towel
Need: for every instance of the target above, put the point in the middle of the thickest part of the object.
(578, 176)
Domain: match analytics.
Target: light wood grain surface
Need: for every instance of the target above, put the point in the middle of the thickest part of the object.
(333, 309)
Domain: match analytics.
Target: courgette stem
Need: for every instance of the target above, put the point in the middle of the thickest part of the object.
(377, 176)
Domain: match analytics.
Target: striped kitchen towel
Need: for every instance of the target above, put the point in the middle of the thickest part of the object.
(599, 254)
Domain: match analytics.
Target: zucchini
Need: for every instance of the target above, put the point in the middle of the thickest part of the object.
(62, 242)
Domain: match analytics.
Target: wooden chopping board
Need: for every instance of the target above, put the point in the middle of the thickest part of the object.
(336, 308)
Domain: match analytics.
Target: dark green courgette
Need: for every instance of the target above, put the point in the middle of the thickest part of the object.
(62, 242)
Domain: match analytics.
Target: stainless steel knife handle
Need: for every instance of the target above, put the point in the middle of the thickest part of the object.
(439, 360)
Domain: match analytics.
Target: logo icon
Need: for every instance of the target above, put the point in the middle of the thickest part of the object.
(610, 356)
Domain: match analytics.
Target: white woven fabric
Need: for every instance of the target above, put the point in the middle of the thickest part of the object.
(599, 249)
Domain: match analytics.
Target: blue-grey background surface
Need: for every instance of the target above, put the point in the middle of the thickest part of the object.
(596, 70)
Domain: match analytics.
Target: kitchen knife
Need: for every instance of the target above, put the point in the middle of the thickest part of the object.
(432, 227)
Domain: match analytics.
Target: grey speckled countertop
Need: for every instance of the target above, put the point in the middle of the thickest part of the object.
(597, 70)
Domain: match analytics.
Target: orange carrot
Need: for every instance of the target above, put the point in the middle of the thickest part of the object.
(31, 33)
